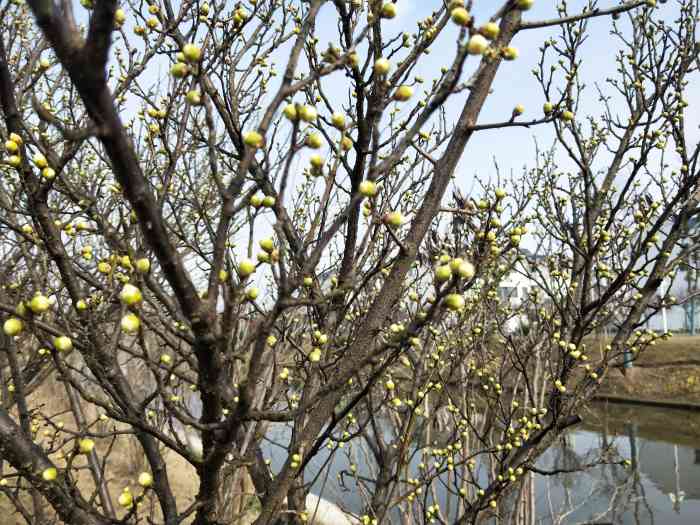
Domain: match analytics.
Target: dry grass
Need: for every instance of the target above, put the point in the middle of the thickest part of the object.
(182, 480)
(124, 462)
(677, 349)
(669, 370)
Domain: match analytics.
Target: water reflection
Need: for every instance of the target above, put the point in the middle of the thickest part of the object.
(661, 486)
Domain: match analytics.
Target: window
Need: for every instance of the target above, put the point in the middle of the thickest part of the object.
(507, 292)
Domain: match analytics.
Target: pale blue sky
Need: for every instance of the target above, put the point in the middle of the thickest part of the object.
(513, 148)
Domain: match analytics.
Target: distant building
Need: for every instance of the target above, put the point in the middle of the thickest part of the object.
(516, 287)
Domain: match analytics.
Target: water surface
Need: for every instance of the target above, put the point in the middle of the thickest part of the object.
(661, 486)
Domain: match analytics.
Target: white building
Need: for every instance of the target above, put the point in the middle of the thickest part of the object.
(515, 288)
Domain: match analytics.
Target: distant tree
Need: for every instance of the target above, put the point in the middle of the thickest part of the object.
(212, 227)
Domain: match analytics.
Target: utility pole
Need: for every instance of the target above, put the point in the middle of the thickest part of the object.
(691, 278)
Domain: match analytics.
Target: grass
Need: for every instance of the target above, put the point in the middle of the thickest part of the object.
(669, 370)
(124, 463)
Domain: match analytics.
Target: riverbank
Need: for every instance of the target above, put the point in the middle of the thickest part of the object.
(668, 425)
(667, 373)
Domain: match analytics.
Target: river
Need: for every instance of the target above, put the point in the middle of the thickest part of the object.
(661, 486)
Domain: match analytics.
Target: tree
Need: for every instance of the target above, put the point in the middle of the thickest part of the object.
(142, 211)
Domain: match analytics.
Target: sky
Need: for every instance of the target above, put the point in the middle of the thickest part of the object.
(512, 148)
